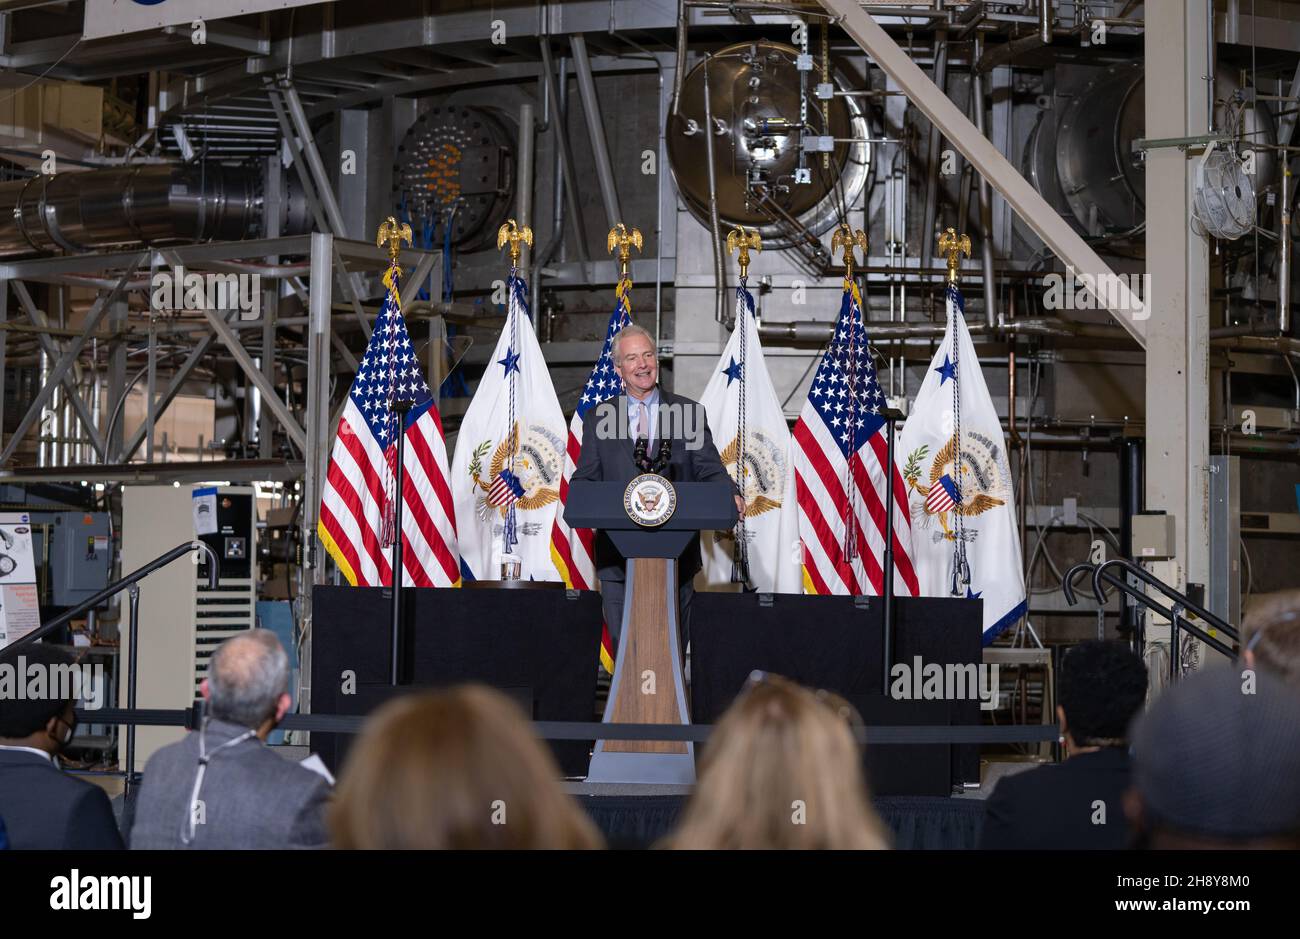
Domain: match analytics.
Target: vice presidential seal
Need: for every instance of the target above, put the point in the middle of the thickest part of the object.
(650, 500)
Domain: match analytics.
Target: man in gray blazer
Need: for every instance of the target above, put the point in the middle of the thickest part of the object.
(221, 787)
(629, 427)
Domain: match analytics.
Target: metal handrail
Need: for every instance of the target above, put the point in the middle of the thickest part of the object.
(1143, 574)
(118, 586)
(128, 583)
(1173, 613)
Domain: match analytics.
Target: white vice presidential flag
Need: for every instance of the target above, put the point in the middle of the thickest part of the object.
(964, 537)
(741, 393)
(505, 476)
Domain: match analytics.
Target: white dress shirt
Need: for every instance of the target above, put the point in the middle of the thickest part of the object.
(41, 753)
(651, 404)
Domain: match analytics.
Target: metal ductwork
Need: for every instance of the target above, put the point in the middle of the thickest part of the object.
(138, 205)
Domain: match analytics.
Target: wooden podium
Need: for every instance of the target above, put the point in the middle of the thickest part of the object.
(647, 687)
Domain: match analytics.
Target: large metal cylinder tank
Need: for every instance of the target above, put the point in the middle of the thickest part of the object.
(147, 204)
(755, 104)
(1084, 163)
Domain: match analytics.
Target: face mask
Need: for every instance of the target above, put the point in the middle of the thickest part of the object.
(70, 730)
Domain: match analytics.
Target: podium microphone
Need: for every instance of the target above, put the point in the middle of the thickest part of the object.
(665, 455)
(638, 452)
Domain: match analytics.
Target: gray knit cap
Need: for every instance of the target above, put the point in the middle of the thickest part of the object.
(1214, 760)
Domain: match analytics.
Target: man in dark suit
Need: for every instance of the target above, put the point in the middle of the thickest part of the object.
(1077, 804)
(42, 807)
(635, 424)
(221, 787)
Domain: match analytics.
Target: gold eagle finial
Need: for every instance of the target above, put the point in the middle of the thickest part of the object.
(394, 234)
(624, 239)
(848, 239)
(511, 232)
(746, 242)
(953, 245)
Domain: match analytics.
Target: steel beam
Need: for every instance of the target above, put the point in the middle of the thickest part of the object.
(69, 381)
(316, 448)
(116, 387)
(144, 474)
(4, 343)
(423, 267)
(1055, 232)
(269, 397)
(315, 182)
(194, 257)
(300, 167)
(307, 142)
(560, 128)
(595, 130)
(64, 365)
(1177, 372)
(171, 391)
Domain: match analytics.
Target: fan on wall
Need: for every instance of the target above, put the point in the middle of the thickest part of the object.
(1225, 196)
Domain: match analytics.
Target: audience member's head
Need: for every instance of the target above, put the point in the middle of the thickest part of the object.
(1217, 764)
(42, 722)
(248, 681)
(458, 769)
(1270, 636)
(1100, 689)
(782, 770)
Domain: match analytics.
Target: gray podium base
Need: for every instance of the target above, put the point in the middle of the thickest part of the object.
(660, 768)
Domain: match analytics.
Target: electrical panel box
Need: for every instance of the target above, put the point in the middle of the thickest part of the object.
(73, 555)
(1153, 537)
(80, 556)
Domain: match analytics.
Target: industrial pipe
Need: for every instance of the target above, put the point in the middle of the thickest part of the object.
(932, 154)
(1284, 261)
(715, 226)
(595, 129)
(561, 94)
(524, 179)
(145, 204)
(986, 201)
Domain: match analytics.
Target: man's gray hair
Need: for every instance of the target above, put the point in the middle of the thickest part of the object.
(246, 676)
(631, 329)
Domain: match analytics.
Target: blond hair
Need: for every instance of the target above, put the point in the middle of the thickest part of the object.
(455, 769)
(782, 770)
(1271, 631)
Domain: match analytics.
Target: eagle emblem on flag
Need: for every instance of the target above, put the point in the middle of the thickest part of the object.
(978, 485)
(534, 481)
(763, 477)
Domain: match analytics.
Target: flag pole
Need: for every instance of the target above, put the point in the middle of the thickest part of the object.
(887, 592)
(393, 234)
(400, 408)
(739, 240)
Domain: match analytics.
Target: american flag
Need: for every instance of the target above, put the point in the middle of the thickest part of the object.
(839, 458)
(357, 501)
(571, 548)
(943, 496)
(505, 490)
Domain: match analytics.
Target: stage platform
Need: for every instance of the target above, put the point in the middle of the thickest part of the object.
(634, 817)
(637, 817)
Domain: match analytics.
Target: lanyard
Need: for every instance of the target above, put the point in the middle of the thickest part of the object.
(187, 827)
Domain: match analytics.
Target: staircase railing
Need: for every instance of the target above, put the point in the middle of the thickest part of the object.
(1175, 612)
(130, 584)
